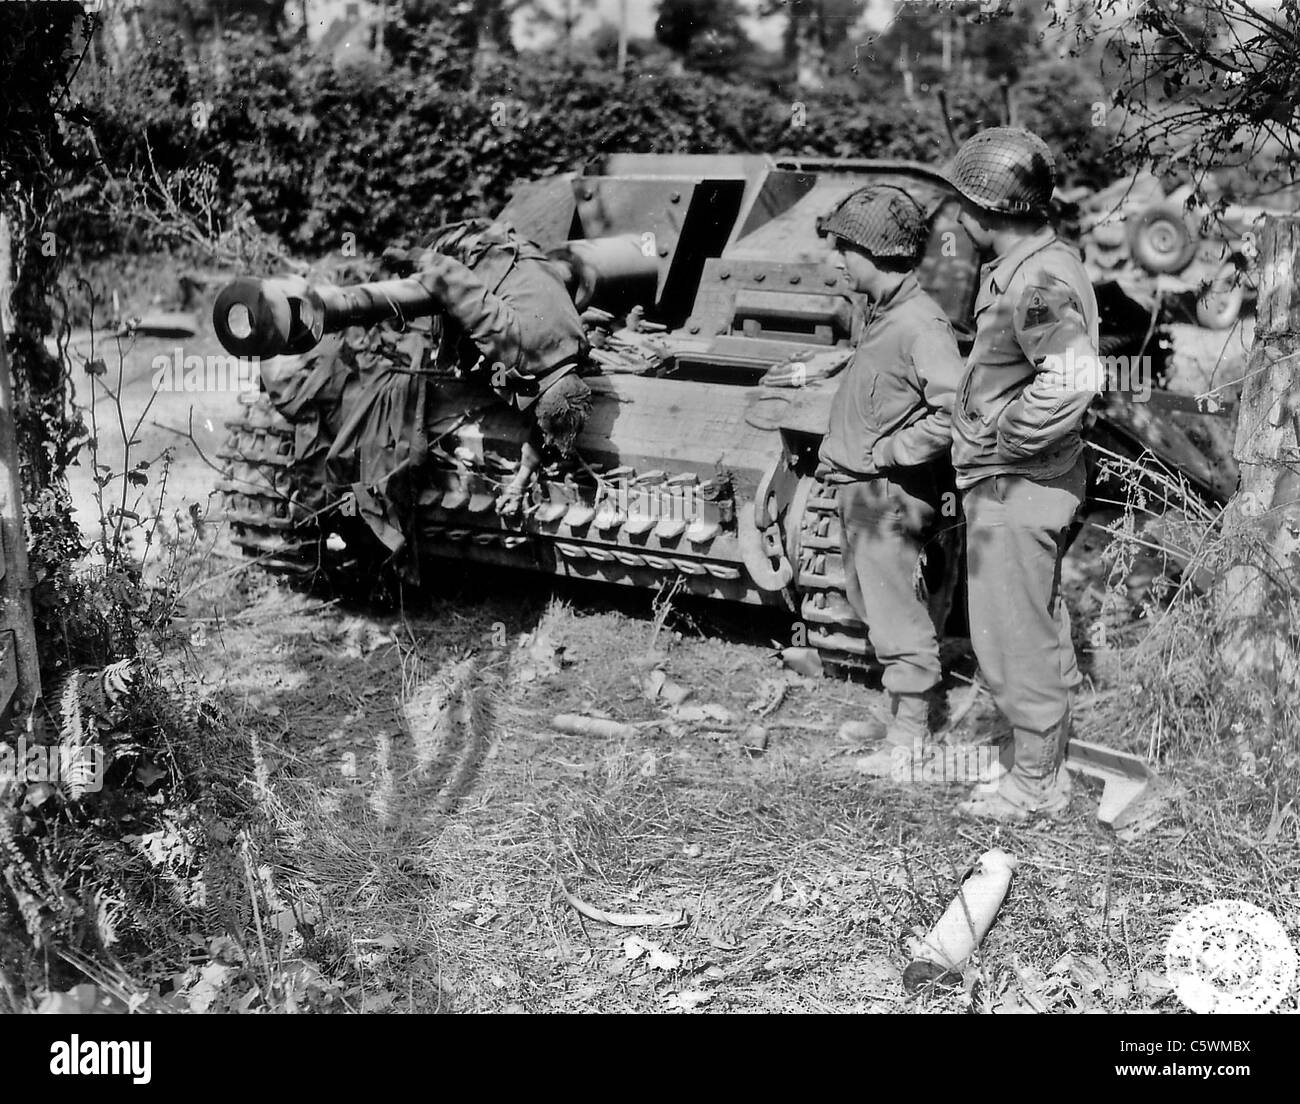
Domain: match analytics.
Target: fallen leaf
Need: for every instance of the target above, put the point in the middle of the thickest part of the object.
(1090, 973)
(705, 712)
(663, 960)
(147, 774)
(37, 793)
(1152, 986)
(634, 946)
(1012, 1003)
(768, 696)
(287, 921)
(753, 740)
(651, 684)
(378, 1002)
(213, 978)
(656, 957)
(672, 694)
(688, 999)
(59, 1004)
(79, 1000)
(1276, 821)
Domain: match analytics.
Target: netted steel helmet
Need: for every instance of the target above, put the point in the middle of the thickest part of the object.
(1006, 170)
(881, 219)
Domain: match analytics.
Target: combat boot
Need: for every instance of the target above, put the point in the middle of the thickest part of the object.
(873, 730)
(1037, 783)
(906, 736)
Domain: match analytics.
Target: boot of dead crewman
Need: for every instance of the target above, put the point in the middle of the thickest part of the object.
(1037, 783)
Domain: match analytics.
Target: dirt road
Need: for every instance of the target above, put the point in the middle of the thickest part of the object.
(189, 423)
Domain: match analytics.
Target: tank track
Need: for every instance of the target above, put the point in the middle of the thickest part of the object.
(268, 521)
(833, 628)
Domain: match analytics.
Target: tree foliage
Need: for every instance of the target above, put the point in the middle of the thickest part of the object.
(1203, 87)
(706, 34)
(313, 152)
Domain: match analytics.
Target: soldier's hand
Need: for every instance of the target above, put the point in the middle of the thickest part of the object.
(511, 501)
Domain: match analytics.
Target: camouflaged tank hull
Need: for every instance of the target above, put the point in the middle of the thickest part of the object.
(711, 398)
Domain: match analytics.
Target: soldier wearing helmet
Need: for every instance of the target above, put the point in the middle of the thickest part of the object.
(887, 445)
(1017, 452)
(508, 313)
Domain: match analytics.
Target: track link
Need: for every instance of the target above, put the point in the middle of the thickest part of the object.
(268, 520)
(833, 628)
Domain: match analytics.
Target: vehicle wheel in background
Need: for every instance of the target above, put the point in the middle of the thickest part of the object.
(1160, 239)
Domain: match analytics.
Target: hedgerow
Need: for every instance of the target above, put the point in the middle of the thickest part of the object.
(312, 151)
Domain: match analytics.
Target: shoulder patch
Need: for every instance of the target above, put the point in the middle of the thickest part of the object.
(1047, 301)
(1036, 312)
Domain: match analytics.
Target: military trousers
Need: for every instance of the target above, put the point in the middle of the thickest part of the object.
(886, 523)
(1020, 629)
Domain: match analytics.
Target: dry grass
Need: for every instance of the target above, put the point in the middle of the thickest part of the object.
(435, 867)
(1176, 702)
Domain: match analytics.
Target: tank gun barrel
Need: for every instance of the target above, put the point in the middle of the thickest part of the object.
(271, 317)
(267, 318)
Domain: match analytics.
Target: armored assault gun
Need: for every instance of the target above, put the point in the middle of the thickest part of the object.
(718, 332)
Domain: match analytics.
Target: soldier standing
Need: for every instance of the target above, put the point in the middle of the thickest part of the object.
(1018, 454)
(890, 434)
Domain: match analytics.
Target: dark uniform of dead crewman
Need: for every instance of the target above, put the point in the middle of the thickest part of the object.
(507, 312)
(889, 436)
(1018, 455)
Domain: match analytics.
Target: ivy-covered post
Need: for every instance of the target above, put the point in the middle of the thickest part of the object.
(39, 429)
(20, 674)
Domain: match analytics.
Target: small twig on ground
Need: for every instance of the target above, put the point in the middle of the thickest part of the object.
(674, 919)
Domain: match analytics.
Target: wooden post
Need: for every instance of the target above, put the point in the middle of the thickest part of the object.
(1256, 596)
(20, 676)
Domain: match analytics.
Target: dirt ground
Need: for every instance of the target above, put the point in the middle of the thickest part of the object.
(446, 847)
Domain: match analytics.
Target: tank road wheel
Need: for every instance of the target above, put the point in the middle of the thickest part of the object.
(267, 519)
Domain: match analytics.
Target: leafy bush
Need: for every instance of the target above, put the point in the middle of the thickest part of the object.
(312, 152)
